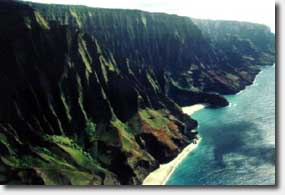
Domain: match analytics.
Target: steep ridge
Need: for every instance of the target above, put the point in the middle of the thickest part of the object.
(91, 96)
(244, 44)
(174, 47)
(58, 121)
(255, 40)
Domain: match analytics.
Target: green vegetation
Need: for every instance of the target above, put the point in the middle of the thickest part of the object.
(76, 17)
(82, 158)
(85, 55)
(41, 21)
(153, 118)
(64, 121)
(91, 131)
(125, 135)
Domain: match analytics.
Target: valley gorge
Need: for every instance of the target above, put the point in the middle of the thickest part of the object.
(93, 96)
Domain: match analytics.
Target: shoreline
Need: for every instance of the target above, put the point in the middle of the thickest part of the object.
(254, 81)
(192, 109)
(162, 178)
(161, 175)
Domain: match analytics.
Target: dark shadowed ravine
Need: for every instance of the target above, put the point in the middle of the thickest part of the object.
(93, 96)
(238, 145)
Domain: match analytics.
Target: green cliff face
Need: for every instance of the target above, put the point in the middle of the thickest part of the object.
(91, 96)
(253, 42)
(196, 55)
(244, 46)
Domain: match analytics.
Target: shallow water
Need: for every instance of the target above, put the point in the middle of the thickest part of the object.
(238, 142)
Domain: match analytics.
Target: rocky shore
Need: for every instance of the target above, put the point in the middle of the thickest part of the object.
(93, 96)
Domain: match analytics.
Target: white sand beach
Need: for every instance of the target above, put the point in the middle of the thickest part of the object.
(191, 109)
(162, 174)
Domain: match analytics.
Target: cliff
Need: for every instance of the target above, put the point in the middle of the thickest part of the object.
(243, 44)
(196, 55)
(92, 96)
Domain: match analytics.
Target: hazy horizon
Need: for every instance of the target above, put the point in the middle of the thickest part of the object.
(253, 11)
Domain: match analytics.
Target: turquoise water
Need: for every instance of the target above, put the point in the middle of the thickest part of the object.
(238, 142)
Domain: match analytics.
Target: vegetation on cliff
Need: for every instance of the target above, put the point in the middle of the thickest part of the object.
(92, 96)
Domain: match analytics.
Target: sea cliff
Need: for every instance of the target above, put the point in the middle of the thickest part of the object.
(92, 96)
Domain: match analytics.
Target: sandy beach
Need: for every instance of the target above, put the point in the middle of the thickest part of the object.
(191, 109)
(162, 174)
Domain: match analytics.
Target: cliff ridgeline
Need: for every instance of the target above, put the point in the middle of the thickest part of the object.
(92, 96)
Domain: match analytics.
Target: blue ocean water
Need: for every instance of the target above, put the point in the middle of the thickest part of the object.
(238, 142)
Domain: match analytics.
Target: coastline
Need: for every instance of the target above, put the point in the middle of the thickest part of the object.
(254, 81)
(194, 108)
(161, 175)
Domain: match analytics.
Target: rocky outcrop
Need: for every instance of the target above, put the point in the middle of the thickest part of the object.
(92, 96)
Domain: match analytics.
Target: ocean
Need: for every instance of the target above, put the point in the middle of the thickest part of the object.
(238, 141)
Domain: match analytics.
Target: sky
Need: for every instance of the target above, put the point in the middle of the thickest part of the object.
(257, 11)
